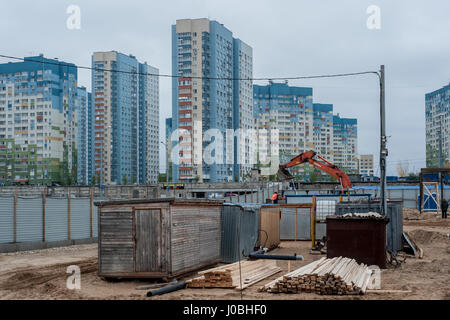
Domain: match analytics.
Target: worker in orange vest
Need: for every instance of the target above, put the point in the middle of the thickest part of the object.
(274, 197)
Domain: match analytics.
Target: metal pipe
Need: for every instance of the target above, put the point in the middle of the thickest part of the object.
(257, 255)
(167, 289)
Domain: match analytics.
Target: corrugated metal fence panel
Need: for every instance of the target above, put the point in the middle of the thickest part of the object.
(394, 227)
(287, 224)
(80, 225)
(56, 217)
(6, 219)
(29, 219)
(230, 217)
(242, 220)
(410, 198)
(95, 220)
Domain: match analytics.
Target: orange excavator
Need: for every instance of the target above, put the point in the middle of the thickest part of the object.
(324, 165)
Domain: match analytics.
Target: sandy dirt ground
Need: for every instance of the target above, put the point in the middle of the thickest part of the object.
(42, 274)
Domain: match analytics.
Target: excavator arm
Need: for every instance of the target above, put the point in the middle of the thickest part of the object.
(323, 165)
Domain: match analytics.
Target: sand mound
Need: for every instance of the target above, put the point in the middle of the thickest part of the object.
(427, 237)
(413, 214)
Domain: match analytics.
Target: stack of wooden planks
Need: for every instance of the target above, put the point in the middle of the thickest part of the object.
(336, 276)
(229, 276)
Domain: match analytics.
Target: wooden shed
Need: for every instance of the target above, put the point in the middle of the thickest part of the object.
(157, 238)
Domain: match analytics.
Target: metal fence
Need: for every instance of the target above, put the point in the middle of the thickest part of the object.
(295, 223)
(46, 219)
(325, 205)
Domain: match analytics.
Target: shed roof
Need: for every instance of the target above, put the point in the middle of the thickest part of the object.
(160, 200)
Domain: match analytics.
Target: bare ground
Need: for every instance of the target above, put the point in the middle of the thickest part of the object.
(42, 274)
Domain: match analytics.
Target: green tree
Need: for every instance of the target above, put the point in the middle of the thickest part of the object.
(162, 177)
(196, 178)
(124, 179)
(413, 176)
(133, 179)
(93, 179)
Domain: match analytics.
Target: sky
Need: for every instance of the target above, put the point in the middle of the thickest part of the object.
(289, 38)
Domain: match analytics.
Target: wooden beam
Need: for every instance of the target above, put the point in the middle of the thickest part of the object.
(387, 291)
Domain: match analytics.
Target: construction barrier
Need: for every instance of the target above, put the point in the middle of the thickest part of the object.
(42, 219)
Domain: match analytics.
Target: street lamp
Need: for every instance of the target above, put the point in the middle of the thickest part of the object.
(167, 168)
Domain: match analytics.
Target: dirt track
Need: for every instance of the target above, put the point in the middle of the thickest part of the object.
(42, 274)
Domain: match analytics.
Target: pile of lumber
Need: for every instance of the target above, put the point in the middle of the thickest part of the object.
(336, 276)
(230, 275)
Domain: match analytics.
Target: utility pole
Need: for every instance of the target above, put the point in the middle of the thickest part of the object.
(383, 149)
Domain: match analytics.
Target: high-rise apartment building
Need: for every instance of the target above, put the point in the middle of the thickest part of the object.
(206, 102)
(437, 126)
(38, 129)
(366, 164)
(323, 133)
(126, 119)
(242, 109)
(85, 126)
(345, 147)
(303, 125)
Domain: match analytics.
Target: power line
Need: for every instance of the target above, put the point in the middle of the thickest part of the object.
(70, 65)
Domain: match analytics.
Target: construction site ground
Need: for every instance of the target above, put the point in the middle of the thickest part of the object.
(42, 274)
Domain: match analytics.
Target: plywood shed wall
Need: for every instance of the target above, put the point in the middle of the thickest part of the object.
(158, 238)
(269, 226)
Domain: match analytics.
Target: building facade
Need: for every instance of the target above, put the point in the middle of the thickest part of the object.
(205, 108)
(345, 146)
(126, 119)
(437, 126)
(289, 110)
(85, 128)
(366, 164)
(302, 126)
(38, 122)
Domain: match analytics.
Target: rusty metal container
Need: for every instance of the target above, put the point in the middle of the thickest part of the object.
(362, 239)
(157, 238)
(394, 228)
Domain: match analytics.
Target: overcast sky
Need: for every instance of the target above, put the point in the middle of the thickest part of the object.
(289, 38)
